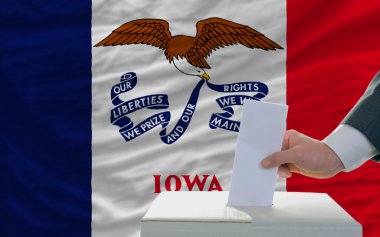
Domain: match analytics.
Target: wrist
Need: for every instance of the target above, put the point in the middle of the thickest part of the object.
(335, 163)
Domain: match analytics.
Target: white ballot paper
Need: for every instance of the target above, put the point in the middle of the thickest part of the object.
(261, 132)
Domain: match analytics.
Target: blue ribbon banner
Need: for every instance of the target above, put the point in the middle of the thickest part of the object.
(161, 101)
(221, 120)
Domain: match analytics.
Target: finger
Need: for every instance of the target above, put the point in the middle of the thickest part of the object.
(278, 158)
(285, 141)
(295, 169)
(284, 172)
(289, 136)
(319, 175)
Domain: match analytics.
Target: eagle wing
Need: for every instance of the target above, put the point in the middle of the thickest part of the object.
(153, 32)
(215, 32)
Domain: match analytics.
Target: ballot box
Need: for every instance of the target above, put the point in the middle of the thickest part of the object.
(205, 214)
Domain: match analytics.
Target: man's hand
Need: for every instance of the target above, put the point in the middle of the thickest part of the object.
(304, 155)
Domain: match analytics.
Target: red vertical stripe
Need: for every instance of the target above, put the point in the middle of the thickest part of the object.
(333, 52)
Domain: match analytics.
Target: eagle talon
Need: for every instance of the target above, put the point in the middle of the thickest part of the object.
(205, 76)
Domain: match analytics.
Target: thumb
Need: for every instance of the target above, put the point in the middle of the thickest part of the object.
(278, 158)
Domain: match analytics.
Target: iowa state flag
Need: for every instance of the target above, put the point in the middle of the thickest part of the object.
(105, 104)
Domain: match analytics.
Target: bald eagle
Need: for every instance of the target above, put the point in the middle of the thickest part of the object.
(212, 34)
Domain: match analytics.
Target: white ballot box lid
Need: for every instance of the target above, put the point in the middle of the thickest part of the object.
(206, 214)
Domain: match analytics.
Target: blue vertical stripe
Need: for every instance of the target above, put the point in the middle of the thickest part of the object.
(45, 118)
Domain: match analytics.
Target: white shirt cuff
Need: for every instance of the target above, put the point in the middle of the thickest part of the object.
(352, 147)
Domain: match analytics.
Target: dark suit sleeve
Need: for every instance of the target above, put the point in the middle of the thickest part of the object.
(365, 116)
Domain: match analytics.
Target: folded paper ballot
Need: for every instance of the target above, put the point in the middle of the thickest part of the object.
(261, 131)
(194, 214)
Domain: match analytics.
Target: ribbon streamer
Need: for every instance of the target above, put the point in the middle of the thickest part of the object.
(161, 101)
